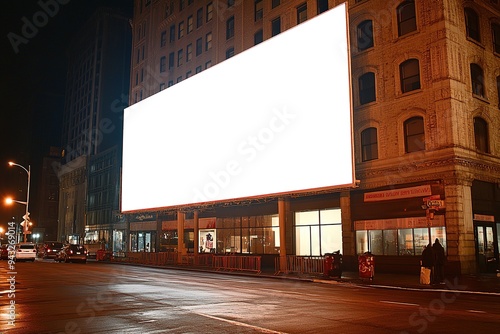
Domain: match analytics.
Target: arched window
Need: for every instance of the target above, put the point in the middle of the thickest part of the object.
(414, 134)
(369, 144)
(367, 88)
(407, 21)
(477, 79)
(409, 72)
(365, 35)
(481, 134)
(472, 24)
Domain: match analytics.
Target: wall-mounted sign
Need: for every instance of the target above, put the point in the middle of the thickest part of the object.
(391, 194)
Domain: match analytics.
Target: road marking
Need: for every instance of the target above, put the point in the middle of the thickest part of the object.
(147, 321)
(475, 311)
(242, 324)
(398, 303)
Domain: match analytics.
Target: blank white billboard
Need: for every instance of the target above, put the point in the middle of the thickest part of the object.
(272, 120)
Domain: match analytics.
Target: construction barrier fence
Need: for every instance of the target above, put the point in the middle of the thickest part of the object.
(237, 263)
(300, 264)
(218, 262)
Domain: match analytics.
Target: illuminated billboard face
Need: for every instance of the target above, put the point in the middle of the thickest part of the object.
(272, 120)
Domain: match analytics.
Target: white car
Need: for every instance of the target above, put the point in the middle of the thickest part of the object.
(25, 251)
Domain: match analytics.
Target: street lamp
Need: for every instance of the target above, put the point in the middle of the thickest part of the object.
(26, 217)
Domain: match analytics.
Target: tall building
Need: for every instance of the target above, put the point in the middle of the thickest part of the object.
(96, 94)
(48, 198)
(425, 81)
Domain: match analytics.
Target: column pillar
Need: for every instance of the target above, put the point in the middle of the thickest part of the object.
(181, 249)
(196, 232)
(282, 213)
(348, 233)
(461, 252)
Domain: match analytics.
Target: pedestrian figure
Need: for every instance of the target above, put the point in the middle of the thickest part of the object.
(439, 259)
(426, 272)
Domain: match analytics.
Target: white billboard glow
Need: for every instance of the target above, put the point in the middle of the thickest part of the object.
(274, 119)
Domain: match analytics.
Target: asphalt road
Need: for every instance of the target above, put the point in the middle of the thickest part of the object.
(49, 297)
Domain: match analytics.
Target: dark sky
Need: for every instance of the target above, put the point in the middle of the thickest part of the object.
(34, 35)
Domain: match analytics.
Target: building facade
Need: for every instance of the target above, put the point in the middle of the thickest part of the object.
(425, 81)
(96, 94)
(48, 197)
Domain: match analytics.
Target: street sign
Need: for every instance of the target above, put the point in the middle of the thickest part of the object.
(435, 203)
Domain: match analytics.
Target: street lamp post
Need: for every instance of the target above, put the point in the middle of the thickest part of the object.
(28, 171)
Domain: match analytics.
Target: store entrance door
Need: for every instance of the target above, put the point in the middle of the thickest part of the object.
(486, 247)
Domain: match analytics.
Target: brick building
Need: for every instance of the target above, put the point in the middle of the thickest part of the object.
(425, 96)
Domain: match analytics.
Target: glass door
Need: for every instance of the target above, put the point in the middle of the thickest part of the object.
(486, 247)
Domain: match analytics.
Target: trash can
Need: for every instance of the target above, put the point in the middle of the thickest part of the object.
(333, 264)
(366, 265)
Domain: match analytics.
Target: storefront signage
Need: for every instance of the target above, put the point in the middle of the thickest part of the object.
(118, 217)
(397, 223)
(484, 218)
(143, 217)
(386, 195)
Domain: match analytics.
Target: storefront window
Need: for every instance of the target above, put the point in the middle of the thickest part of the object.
(402, 242)
(302, 240)
(390, 242)
(318, 232)
(168, 240)
(119, 245)
(331, 238)
(376, 242)
(421, 239)
(189, 240)
(247, 235)
(498, 237)
(229, 241)
(362, 241)
(142, 241)
(91, 237)
(406, 242)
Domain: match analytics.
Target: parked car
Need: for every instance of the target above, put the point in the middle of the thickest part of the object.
(72, 253)
(25, 251)
(50, 249)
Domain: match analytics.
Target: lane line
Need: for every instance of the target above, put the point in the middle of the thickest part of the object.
(241, 324)
(475, 311)
(398, 303)
(146, 321)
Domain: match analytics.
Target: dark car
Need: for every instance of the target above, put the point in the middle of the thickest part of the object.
(72, 253)
(50, 249)
(4, 252)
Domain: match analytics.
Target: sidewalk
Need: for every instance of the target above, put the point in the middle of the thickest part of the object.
(480, 283)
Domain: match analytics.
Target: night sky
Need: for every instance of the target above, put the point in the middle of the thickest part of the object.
(34, 37)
